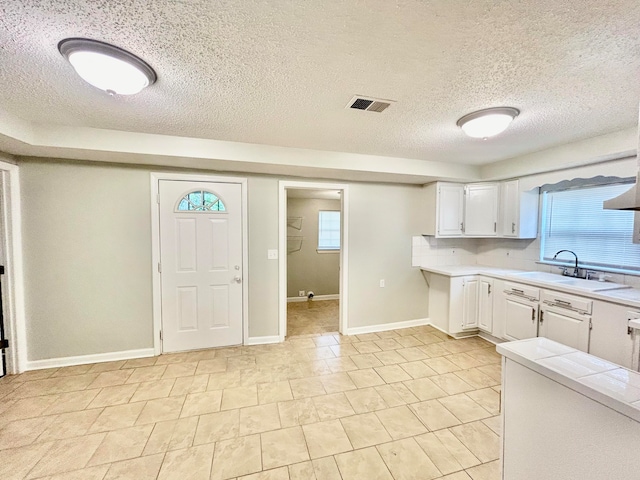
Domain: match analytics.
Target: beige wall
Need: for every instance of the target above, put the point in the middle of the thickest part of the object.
(263, 273)
(382, 220)
(307, 269)
(87, 250)
(87, 258)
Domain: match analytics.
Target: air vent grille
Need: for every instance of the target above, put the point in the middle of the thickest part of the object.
(369, 104)
(361, 104)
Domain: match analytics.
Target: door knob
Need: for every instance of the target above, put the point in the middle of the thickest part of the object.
(237, 279)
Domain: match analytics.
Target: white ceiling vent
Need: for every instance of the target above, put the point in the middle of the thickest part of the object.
(369, 104)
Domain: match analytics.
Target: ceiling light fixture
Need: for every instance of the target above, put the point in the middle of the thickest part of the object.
(487, 123)
(107, 67)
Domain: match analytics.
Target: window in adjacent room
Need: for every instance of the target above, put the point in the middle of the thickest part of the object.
(328, 230)
(574, 219)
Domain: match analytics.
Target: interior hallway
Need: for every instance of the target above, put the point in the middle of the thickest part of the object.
(401, 404)
(313, 317)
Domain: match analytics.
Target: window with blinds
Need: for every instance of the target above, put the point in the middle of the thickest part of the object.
(575, 220)
(328, 230)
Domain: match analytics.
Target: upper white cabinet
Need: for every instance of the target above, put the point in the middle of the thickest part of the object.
(519, 211)
(481, 209)
(450, 209)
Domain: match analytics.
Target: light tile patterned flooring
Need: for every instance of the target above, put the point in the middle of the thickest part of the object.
(312, 317)
(404, 404)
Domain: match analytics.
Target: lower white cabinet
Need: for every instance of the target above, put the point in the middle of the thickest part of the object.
(565, 319)
(521, 319)
(460, 306)
(520, 304)
(610, 335)
(485, 304)
(469, 303)
(565, 328)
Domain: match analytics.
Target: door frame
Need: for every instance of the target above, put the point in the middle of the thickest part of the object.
(15, 323)
(283, 186)
(155, 247)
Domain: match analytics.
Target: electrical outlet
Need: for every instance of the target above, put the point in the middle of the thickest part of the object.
(272, 254)
(382, 283)
(301, 293)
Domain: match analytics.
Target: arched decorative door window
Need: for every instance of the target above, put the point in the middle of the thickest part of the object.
(201, 201)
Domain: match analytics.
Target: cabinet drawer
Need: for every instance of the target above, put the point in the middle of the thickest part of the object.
(570, 302)
(519, 290)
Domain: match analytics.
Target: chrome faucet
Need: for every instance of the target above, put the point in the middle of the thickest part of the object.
(576, 271)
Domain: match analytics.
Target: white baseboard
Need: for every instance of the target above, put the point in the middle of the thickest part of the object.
(84, 359)
(383, 327)
(262, 340)
(316, 298)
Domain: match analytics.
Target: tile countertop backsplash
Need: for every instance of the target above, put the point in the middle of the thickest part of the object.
(502, 253)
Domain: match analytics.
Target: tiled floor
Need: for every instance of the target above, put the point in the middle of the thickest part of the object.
(312, 317)
(405, 404)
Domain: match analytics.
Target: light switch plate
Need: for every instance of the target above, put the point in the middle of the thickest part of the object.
(272, 254)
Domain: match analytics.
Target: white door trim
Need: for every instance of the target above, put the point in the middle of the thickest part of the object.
(15, 320)
(155, 247)
(282, 247)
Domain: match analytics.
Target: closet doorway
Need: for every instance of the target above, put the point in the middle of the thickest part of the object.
(313, 245)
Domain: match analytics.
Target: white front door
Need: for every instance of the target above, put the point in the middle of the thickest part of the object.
(201, 264)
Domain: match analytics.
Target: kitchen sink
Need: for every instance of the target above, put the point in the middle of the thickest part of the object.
(578, 283)
(540, 276)
(590, 285)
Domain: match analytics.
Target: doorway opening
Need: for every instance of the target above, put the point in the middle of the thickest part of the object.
(13, 343)
(313, 242)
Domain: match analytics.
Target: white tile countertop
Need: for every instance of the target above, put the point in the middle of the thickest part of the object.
(607, 383)
(606, 291)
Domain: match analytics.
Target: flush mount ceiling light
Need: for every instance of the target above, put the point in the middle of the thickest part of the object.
(107, 67)
(487, 123)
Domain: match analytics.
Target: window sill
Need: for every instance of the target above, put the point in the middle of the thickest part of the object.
(324, 250)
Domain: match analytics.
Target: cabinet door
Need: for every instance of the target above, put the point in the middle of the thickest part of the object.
(510, 208)
(450, 210)
(481, 209)
(485, 305)
(568, 329)
(521, 320)
(610, 336)
(470, 303)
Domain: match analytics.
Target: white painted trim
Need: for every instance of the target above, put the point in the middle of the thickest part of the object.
(86, 359)
(383, 327)
(282, 248)
(262, 340)
(155, 177)
(316, 298)
(15, 321)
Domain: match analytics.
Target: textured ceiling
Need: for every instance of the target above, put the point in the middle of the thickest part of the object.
(280, 72)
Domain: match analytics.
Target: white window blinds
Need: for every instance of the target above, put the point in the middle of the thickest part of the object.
(575, 220)
(328, 230)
